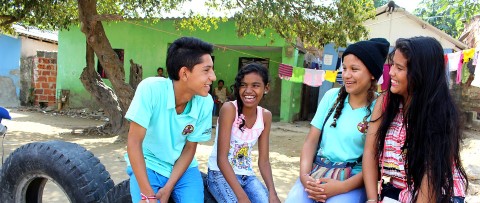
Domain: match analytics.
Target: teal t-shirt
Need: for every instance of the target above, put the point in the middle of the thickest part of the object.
(344, 142)
(153, 107)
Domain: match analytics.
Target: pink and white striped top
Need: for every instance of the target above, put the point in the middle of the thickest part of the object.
(394, 161)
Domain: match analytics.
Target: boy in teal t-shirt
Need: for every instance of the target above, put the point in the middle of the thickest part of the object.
(168, 117)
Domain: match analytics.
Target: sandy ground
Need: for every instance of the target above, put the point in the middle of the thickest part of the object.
(286, 142)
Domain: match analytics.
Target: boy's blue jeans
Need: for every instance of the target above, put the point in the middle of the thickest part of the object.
(189, 187)
(222, 192)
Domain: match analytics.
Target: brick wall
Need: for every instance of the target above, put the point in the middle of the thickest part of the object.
(45, 78)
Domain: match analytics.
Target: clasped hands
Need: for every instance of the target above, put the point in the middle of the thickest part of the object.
(323, 188)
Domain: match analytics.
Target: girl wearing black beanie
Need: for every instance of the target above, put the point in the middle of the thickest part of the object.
(337, 134)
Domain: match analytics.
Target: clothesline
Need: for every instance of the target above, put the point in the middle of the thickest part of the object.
(465, 63)
(310, 77)
(315, 77)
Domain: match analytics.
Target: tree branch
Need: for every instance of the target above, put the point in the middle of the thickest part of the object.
(7, 19)
(105, 17)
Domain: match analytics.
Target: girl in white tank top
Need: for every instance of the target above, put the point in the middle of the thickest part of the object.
(240, 125)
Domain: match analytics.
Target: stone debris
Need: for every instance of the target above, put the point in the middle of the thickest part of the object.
(74, 113)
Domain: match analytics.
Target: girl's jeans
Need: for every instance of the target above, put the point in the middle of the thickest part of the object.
(222, 192)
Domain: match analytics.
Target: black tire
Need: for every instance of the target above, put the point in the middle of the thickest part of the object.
(121, 193)
(73, 168)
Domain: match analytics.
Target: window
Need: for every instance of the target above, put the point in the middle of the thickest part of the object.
(242, 61)
(120, 53)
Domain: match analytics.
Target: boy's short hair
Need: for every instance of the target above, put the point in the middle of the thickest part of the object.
(186, 51)
(221, 81)
(160, 68)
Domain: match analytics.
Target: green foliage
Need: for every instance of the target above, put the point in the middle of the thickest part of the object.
(448, 15)
(59, 14)
(310, 21)
(378, 3)
(313, 23)
(44, 14)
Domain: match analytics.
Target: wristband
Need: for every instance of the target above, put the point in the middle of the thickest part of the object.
(371, 200)
(147, 198)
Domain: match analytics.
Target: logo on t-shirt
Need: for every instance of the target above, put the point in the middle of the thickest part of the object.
(188, 129)
(207, 131)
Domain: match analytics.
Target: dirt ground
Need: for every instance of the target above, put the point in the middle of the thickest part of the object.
(286, 142)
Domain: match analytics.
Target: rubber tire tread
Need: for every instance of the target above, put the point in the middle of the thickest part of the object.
(81, 175)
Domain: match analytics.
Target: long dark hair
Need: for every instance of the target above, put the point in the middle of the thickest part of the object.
(249, 68)
(431, 119)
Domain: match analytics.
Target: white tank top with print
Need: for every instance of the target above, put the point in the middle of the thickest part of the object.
(241, 145)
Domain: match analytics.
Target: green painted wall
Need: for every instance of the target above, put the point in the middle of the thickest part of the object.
(291, 92)
(147, 44)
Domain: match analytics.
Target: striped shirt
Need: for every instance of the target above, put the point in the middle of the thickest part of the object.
(393, 161)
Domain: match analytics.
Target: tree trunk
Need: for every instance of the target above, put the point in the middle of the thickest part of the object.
(136, 74)
(103, 95)
(119, 99)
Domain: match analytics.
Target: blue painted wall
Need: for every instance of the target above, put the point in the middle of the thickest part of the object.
(328, 49)
(10, 59)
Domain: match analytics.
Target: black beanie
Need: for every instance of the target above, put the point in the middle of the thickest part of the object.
(372, 53)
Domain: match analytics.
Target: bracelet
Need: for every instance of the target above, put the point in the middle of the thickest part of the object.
(147, 198)
(371, 200)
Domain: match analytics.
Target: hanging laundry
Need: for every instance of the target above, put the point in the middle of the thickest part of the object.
(314, 65)
(459, 69)
(476, 56)
(476, 80)
(445, 57)
(454, 60)
(330, 75)
(386, 77)
(380, 80)
(447, 72)
(468, 55)
(471, 67)
(285, 71)
(313, 78)
(339, 77)
(465, 73)
(297, 75)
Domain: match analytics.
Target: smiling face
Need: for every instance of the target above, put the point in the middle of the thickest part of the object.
(356, 77)
(398, 74)
(251, 89)
(201, 77)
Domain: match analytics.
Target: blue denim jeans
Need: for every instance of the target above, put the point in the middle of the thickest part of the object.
(189, 187)
(222, 192)
(298, 195)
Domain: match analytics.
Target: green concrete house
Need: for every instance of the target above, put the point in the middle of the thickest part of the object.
(147, 44)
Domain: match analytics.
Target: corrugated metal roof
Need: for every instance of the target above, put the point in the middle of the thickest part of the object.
(45, 35)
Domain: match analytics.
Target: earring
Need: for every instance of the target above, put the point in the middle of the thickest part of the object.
(265, 92)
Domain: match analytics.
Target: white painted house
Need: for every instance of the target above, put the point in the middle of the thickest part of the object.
(395, 23)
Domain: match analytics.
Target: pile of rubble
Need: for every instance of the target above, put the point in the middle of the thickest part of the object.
(74, 113)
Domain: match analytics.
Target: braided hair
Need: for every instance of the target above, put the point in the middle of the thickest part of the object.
(247, 69)
(340, 102)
